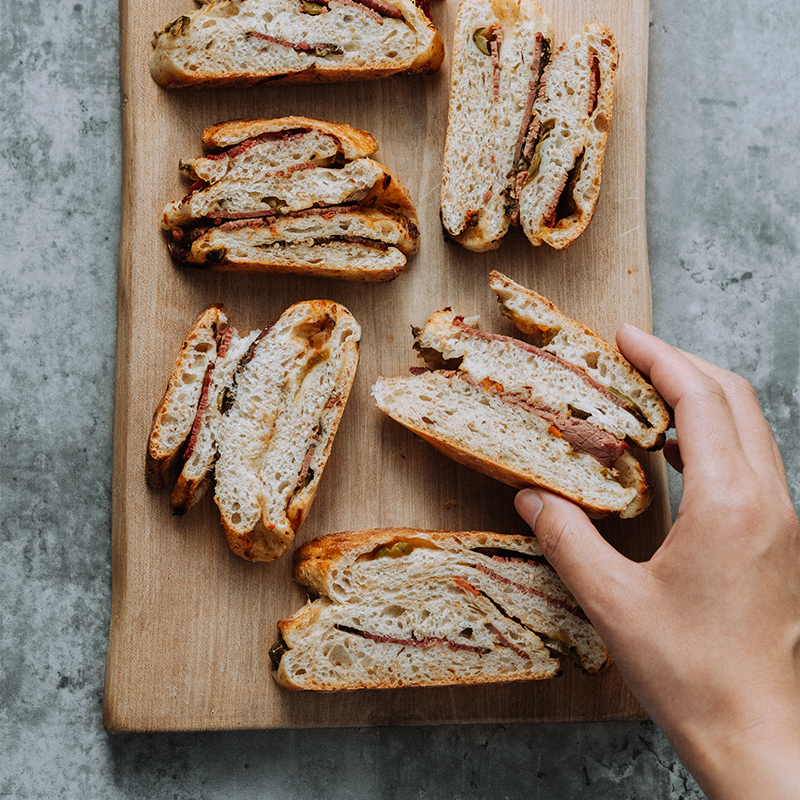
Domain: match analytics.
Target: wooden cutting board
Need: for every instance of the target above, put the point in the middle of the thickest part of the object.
(191, 623)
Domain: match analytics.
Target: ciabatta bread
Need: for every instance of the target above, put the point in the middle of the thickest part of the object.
(175, 414)
(402, 607)
(265, 423)
(500, 50)
(575, 107)
(526, 131)
(243, 42)
(525, 414)
(292, 195)
(538, 317)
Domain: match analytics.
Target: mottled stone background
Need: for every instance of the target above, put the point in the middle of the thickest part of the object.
(724, 224)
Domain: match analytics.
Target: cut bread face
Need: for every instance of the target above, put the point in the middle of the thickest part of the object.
(539, 318)
(500, 50)
(244, 42)
(265, 423)
(537, 376)
(508, 441)
(527, 130)
(575, 110)
(174, 416)
(293, 196)
(402, 607)
(527, 413)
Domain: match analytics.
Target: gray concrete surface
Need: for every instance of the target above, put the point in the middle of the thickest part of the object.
(724, 225)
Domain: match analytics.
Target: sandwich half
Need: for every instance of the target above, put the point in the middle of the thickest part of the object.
(243, 42)
(559, 187)
(553, 414)
(292, 195)
(175, 415)
(527, 127)
(264, 423)
(399, 607)
(500, 52)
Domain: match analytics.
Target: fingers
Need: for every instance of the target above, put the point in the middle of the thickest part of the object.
(573, 546)
(708, 434)
(747, 414)
(717, 413)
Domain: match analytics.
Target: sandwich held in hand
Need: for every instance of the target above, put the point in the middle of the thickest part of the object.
(292, 195)
(402, 607)
(257, 414)
(527, 126)
(559, 412)
(242, 42)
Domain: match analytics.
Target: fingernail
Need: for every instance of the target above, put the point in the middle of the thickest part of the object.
(528, 503)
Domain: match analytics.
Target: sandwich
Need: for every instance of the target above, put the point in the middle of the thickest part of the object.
(561, 411)
(261, 425)
(244, 42)
(527, 126)
(399, 607)
(292, 195)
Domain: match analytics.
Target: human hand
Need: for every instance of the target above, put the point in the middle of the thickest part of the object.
(707, 632)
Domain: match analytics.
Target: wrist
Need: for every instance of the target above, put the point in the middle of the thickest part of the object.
(746, 756)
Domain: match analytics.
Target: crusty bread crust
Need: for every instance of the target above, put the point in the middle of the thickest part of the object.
(173, 418)
(264, 424)
(276, 439)
(317, 560)
(291, 245)
(189, 53)
(354, 142)
(478, 170)
(409, 607)
(552, 414)
(488, 180)
(473, 428)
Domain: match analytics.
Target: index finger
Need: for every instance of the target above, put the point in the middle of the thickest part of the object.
(709, 437)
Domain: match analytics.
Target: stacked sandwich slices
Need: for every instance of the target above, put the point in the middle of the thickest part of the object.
(257, 413)
(402, 607)
(292, 195)
(560, 412)
(527, 126)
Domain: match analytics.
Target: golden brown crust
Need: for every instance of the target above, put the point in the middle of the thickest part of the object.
(626, 464)
(260, 544)
(568, 229)
(314, 559)
(386, 221)
(325, 644)
(346, 273)
(392, 197)
(355, 143)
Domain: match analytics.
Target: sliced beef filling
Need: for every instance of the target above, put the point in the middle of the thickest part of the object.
(318, 49)
(539, 353)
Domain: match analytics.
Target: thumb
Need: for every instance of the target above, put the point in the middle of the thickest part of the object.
(587, 564)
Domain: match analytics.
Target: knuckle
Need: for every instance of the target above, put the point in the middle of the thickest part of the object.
(742, 389)
(553, 538)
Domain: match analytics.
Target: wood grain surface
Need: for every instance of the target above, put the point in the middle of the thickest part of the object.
(191, 623)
